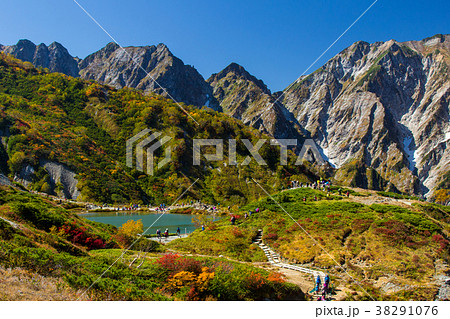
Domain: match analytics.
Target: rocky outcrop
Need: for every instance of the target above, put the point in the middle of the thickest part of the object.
(62, 175)
(4, 180)
(146, 67)
(383, 106)
(54, 57)
(244, 97)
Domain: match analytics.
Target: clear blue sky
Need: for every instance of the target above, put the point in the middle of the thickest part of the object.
(274, 40)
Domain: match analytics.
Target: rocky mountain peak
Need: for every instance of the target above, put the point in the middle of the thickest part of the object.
(147, 68)
(234, 72)
(54, 57)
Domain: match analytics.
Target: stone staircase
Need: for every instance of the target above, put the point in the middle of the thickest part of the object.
(275, 259)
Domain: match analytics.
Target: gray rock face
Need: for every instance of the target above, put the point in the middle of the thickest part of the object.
(142, 67)
(4, 180)
(54, 57)
(244, 97)
(59, 173)
(385, 105)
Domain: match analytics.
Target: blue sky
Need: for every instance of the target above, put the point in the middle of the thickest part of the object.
(274, 40)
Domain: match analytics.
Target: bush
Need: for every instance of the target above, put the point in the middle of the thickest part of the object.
(42, 218)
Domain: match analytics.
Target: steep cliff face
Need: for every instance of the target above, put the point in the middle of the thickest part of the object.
(244, 97)
(140, 67)
(383, 106)
(54, 57)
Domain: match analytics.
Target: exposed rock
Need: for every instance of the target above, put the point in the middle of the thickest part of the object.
(142, 67)
(25, 176)
(4, 180)
(54, 57)
(244, 97)
(60, 173)
(382, 105)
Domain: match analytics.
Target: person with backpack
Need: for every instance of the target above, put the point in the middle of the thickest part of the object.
(326, 286)
(179, 232)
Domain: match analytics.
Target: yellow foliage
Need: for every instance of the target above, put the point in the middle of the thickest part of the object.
(132, 228)
(442, 196)
(188, 278)
(204, 278)
(183, 278)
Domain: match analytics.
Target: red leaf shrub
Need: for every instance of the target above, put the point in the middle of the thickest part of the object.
(237, 232)
(79, 236)
(255, 281)
(174, 263)
(271, 236)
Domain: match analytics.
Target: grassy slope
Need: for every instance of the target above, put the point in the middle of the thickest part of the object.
(49, 260)
(375, 243)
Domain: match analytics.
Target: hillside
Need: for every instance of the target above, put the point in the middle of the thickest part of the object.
(67, 136)
(396, 249)
(52, 254)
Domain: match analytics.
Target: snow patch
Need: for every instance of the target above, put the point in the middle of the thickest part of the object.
(447, 137)
(410, 151)
(324, 153)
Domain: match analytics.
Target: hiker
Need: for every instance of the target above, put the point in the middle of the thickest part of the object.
(232, 219)
(246, 216)
(166, 233)
(203, 227)
(348, 194)
(304, 199)
(158, 234)
(326, 286)
(340, 191)
(317, 285)
(178, 232)
(257, 210)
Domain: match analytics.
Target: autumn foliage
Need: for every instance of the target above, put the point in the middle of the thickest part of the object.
(80, 236)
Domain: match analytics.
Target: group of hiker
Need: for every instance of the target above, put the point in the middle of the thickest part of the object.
(247, 215)
(320, 184)
(325, 289)
(166, 233)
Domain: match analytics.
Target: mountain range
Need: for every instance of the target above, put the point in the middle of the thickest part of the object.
(378, 112)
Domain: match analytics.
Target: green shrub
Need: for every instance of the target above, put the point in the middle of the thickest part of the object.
(41, 217)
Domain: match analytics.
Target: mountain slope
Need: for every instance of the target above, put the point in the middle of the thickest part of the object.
(55, 57)
(123, 68)
(137, 67)
(383, 106)
(59, 133)
(244, 97)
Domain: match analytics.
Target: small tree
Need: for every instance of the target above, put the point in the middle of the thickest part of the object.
(132, 228)
(16, 161)
(128, 231)
(442, 196)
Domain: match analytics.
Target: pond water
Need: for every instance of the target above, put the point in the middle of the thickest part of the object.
(170, 221)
